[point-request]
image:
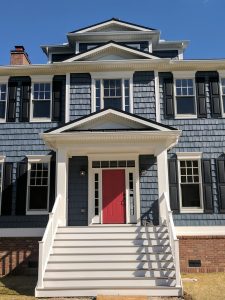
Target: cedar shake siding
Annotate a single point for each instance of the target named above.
(202, 134)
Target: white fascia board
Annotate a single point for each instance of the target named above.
(105, 113)
(113, 22)
(22, 232)
(184, 74)
(105, 47)
(200, 230)
(4, 79)
(2, 158)
(110, 75)
(39, 158)
(221, 73)
(189, 155)
(41, 78)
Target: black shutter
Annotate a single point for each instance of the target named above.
(12, 95)
(201, 97)
(21, 188)
(6, 207)
(173, 185)
(52, 183)
(207, 186)
(215, 97)
(25, 102)
(168, 97)
(58, 97)
(221, 183)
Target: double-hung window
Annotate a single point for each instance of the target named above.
(223, 93)
(185, 102)
(190, 184)
(41, 101)
(38, 185)
(112, 93)
(3, 97)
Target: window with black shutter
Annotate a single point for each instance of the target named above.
(221, 183)
(21, 188)
(6, 196)
(12, 97)
(173, 185)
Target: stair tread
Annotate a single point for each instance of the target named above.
(109, 269)
(108, 278)
(111, 261)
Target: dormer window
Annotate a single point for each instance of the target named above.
(112, 93)
(41, 101)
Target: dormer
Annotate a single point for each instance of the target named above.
(141, 38)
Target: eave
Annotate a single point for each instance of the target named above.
(162, 65)
(94, 140)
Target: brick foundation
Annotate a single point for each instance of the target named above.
(209, 249)
(18, 255)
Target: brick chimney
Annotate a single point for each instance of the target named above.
(19, 56)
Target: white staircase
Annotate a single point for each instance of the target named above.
(111, 260)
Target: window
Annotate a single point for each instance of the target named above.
(38, 186)
(41, 100)
(3, 101)
(190, 184)
(223, 93)
(112, 93)
(185, 97)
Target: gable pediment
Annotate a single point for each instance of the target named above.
(111, 120)
(111, 51)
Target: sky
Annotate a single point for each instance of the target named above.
(32, 23)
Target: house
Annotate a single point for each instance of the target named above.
(112, 157)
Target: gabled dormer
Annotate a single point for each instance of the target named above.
(136, 37)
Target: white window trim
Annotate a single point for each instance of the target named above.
(37, 159)
(3, 80)
(111, 75)
(40, 79)
(2, 160)
(184, 75)
(190, 156)
(222, 76)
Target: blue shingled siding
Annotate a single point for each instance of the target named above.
(149, 188)
(144, 95)
(17, 140)
(78, 192)
(199, 135)
(80, 95)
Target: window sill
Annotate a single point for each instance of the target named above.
(186, 117)
(37, 212)
(192, 211)
(40, 120)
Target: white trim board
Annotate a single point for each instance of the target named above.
(199, 230)
(22, 232)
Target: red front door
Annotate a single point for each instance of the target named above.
(113, 194)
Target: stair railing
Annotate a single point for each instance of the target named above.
(56, 217)
(167, 217)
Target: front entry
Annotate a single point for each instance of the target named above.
(113, 196)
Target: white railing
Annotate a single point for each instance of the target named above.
(56, 217)
(167, 216)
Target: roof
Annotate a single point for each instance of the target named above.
(108, 21)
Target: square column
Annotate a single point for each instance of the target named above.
(62, 180)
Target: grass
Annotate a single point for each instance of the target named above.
(209, 286)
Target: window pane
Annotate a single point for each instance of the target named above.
(113, 103)
(41, 109)
(178, 83)
(185, 105)
(190, 195)
(2, 109)
(37, 201)
(224, 104)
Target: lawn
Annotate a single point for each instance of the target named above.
(207, 287)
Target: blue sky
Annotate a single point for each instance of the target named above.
(34, 23)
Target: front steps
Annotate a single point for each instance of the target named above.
(110, 260)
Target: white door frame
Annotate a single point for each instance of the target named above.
(92, 219)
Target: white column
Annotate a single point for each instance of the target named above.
(67, 104)
(163, 181)
(62, 179)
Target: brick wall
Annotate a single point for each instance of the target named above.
(18, 255)
(209, 249)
